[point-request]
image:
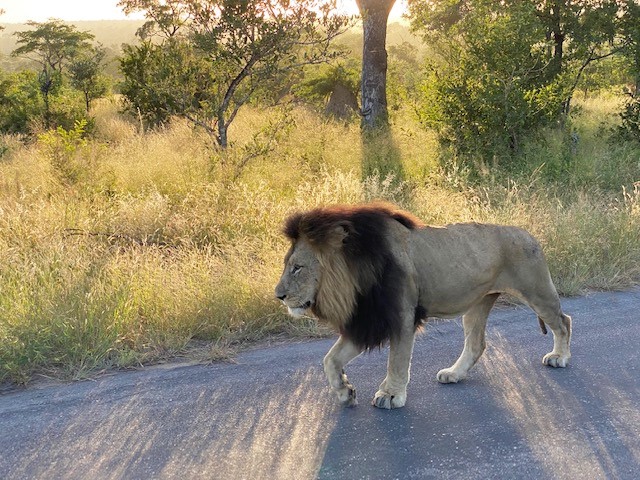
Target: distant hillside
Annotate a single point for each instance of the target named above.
(111, 33)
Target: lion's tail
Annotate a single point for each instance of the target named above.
(543, 327)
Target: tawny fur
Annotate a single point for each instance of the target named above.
(337, 289)
(375, 273)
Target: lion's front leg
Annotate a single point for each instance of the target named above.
(342, 352)
(393, 390)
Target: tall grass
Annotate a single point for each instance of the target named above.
(134, 247)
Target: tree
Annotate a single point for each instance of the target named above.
(214, 56)
(167, 79)
(85, 74)
(630, 30)
(375, 14)
(578, 32)
(507, 67)
(52, 45)
(574, 33)
(483, 91)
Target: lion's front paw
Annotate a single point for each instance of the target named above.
(388, 401)
(347, 395)
(555, 360)
(449, 375)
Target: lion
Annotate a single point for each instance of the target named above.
(377, 273)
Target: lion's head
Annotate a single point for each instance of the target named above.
(340, 268)
(298, 286)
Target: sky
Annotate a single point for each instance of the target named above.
(19, 11)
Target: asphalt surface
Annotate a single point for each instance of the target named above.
(272, 416)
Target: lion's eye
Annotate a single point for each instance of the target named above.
(295, 269)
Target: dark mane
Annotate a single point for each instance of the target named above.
(316, 224)
(361, 232)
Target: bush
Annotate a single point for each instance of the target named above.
(175, 258)
(22, 108)
(630, 116)
(20, 101)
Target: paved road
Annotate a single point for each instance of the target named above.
(272, 416)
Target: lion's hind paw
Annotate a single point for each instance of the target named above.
(555, 360)
(448, 375)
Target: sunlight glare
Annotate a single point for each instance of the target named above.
(20, 11)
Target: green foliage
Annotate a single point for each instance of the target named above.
(404, 74)
(53, 45)
(161, 81)
(505, 69)
(607, 74)
(321, 81)
(216, 56)
(630, 31)
(487, 91)
(67, 107)
(20, 101)
(65, 150)
(629, 127)
(23, 108)
(85, 74)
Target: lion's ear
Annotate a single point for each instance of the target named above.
(339, 234)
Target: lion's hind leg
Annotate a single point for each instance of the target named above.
(474, 323)
(547, 307)
(560, 325)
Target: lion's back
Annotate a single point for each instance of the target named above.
(459, 263)
(490, 242)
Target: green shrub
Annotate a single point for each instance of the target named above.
(173, 257)
(20, 101)
(630, 119)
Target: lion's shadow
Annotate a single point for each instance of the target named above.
(381, 155)
(512, 413)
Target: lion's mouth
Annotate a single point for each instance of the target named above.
(301, 310)
(303, 306)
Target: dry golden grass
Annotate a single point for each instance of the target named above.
(155, 245)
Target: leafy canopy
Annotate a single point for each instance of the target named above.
(209, 58)
(51, 44)
(502, 69)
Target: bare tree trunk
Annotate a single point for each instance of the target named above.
(636, 67)
(46, 83)
(222, 135)
(375, 14)
(555, 36)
